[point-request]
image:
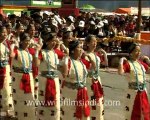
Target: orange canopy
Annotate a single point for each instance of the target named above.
(123, 10)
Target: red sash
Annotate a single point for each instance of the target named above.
(98, 90)
(82, 106)
(141, 106)
(25, 83)
(50, 92)
(2, 76)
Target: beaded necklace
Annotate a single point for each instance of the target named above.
(5, 62)
(50, 73)
(26, 70)
(48, 61)
(139, 87)
(79, 82)
(95, 73)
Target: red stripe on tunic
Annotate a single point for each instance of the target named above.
(59, 53)
(35, 70)
(25, 83)
(50, 92)
(82, 106)
(2, 76)
(98, 90)
(141, 107)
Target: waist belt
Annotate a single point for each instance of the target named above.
(93, 74)
(3, 63)
(74, 85)
(49, 74)
(22, 70)
(135, 86)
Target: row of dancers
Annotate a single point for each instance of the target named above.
(52, 70)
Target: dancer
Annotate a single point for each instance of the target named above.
(95, 89)
(6, 102)
(23, 83)
(49, 87)
(137, 104)
(74, 88)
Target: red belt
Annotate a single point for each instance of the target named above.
(141, 106)
(97, 89)
(25, 83)
(82, 106)
(50, 92)
(2, 76)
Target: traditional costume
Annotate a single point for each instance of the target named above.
(6, 102)
(95, 89)
(23, 86)
(137, 106)
(74, 92)
(49, 87)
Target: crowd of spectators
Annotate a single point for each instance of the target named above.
(79, 26)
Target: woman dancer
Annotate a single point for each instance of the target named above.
(94, 81)
(6, 102)
(137, 105)
(23, 83)
(49, 87)
(75, 75)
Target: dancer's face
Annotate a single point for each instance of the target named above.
(136, 52)
(3, 34)
(92, 44)
(78, 51)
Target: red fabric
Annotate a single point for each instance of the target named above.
(50, 92)
(82, 106)
(25, 83)
(86, 63)
(145, 65)
(101, 56)
(34, 68)
(59, 53)
(2, 76)
(40, 55)
(36, 40)
(98, 90)
(126, 66)
(31, 51)
(69, 65)
(16, 52)
(141, 105)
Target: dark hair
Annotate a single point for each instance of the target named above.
(73, 45)
(2, 28)
(23, 36)
(46, 36)
(12, 16)
(66, 35)
(29, 27)
(132, 47)
(8, 24)
(18, 25)
(89, 38)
